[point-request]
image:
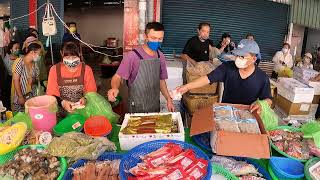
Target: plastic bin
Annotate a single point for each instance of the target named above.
(97, 126)
(42, 110)
(286, 168)
(73, 122)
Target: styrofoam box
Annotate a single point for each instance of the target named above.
(295, 86)
(314, 176)
(304, 73)
(129, 141)
(173, 83)
(305, 97)
(316, 87)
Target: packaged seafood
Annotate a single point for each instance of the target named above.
(170, 162)
(98, 170)
(223, 112)
(238, 168)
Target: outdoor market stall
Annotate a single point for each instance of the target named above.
(225, 141)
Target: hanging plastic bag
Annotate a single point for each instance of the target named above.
(49, 27)
(268, 116)
(98, 105)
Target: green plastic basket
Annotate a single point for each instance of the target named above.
(66, 125)
(217, 169)
(308, 165)
(7, 157)
(292, 129)
(273, 176)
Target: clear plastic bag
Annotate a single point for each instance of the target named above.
(98, 105)
(79, 146)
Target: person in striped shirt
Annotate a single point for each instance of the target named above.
(24, 76)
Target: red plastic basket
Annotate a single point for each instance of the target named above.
(97, 126)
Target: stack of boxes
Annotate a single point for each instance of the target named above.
(294, 98)
(298, 97)
(200, 97)
(304, 75)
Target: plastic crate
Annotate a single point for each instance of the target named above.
(132, 158)
(129, 141)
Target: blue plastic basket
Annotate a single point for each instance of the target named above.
(132, 158)
(105, 156)
(203, 140)
(260, 169)
(285, 168)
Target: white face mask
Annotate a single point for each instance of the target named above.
(228, 41)
(285, 50)
(241, 63)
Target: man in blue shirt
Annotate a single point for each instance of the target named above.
(244, 82)
(68, 36)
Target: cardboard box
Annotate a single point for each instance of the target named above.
(290, 108)
(285, 119)
(313, 109)
(298, 96)
(316, 99)
(230, 143)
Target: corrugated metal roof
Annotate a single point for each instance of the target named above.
(306, 13)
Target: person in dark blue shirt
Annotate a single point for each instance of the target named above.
(244, 82)
(68, 36)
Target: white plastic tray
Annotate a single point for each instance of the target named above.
(129, 141)
(314, 176)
